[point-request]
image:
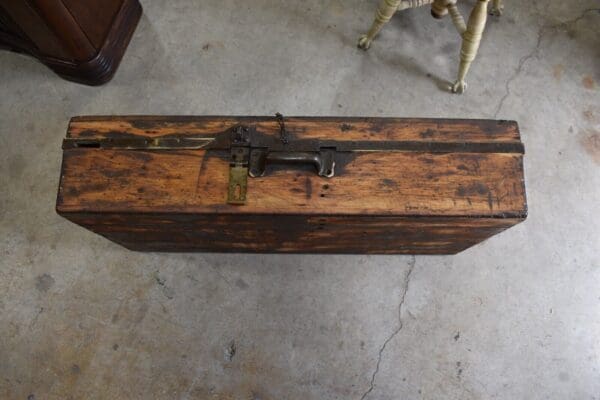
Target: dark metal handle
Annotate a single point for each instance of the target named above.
(323, 160)
(287, 157)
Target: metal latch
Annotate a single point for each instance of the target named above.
(250, 159)
(238, 165)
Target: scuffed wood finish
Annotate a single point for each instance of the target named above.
(370, 183)
(292, 234)
(334, 128)
(378, 202)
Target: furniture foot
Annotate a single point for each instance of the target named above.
(470, 44)
(364, 42)
(384, 13)
(459, 87)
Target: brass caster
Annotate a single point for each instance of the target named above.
(459, 87)
(364, 42)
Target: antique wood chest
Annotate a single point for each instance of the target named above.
(293, 185)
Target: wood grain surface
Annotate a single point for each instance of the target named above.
(292, 234)
(408, 201)
(333, 128)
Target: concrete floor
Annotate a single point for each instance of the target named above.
(517, 317)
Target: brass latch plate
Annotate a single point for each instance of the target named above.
(238, 184)
(238, 166)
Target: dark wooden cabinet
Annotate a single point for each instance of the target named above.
(82, 41)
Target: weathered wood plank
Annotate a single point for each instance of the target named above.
(333, 128)
(292, 234)
(377, 183)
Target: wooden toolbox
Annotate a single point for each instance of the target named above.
(297, 184)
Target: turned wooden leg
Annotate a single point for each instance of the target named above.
(470, 43)
(440, 8)
(384, 13)
(497, 8)
(457, 18)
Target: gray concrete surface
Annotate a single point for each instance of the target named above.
(517, 317)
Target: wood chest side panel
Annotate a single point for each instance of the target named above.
(292, 234)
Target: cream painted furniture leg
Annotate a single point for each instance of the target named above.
(471, 32)
(457, 18)
(384, 13)
(470, 45)
(497, 7)
(386, 10)
(440, 8)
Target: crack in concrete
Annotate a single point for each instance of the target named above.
(411, 266)
(541, 32)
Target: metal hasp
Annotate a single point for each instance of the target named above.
(250, 158)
